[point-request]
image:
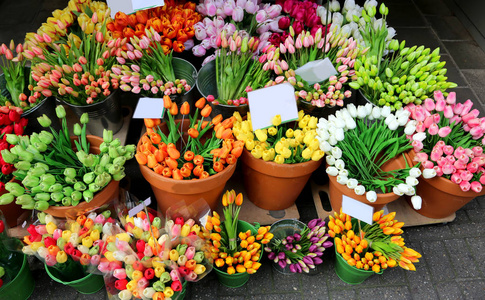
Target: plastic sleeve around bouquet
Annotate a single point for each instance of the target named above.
(185, 249)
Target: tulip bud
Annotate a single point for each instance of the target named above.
(44, 121)
(84, 118)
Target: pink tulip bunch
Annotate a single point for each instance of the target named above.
(297, 51)
(448, 137)
(249, 16)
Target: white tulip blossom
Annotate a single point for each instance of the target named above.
(340, 164)
(396, 191)
(429, 173)
(330, 160)
(349, 5)
(371, 196)
(334, 6)
(343, 172)
(337, 19)
(420, 136)
(336, 152)
(43, 252)
(393, 125)
(417, 201)
(352, 110)
(412, 181)
(332, 171)
(359, 190)
(415, 172)
(385, 111)
(352, 183)
(370, 3)
(342, 179)
(325, 146)
(361, 112)
(376, 112)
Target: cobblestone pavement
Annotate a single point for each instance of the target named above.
(450, 267)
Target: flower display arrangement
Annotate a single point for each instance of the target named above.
(300, 251)
(298, 50)
(376, 247)
(407, 75)
(146, 68)
(357, 149)
(156, 261)
(234, 251)
(11, 123)
(18, 80)
(448, 140)
(250, 17)
(71, 246)
(53, 174)
(281, 143)
(80, 74)
(174, 22)
(69, 24)
(169, 155)
(10, 260)
(237, 71)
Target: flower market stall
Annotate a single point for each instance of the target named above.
(184, 138)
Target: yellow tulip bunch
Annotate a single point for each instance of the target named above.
(281, 143)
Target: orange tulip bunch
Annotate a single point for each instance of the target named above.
(172, 157)
(174, 22)
(377, 247)
(232, 251)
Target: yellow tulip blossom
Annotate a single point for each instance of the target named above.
(159, 271)
(261, 135)
(301, 113)
(314, 145)
(313, 122)
(309, 137)
(95, 235)
(137, 275)
(246, 126)
(286, 153)
(238, 117)
(268, 155)
(272, 131)
(289, 133)
(249, 144)
(66, 234)
(168, 292)
(317, 155)
(257, 152)
(199, 269)
(299, 136)
(87, 242)
(276, 121)
(304, 121)
(279, 146)
(125, 237)
(307, 153)
(279, 159)
(50, 227)
(61, 257)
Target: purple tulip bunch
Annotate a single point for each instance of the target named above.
(300, 251)
(249, 16)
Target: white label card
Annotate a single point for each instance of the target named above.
(357, 209)
(130, 6)
(268, 102)
(316, 71)
(149, 108)
(139, 207)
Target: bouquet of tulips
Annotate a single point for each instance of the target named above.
(52, 173)
(80, 74)
(237, 71)
(358, 149)
(11, 123)
(233, 250)
(168, 154)
(69, 247)
(10, 260)
(298, 50)
(377, 247)
(448, 139)
(174, 22)
(408, 75)
(281, 143)
(69, 24)
(146, 68)
(249, 17)
(300, 251)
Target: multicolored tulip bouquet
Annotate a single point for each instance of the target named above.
(288, 143)
(54, 173)
(373, 247)
(448, 140)
(208, 149)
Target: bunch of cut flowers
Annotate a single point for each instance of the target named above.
(448, 140)
(57, 172)
(298, 50)
(357, 150)
(234, 250)
(376, 246)
(287, 143)
(146, 68)
(251, 18)
(237, 69)
(174, 22)
(208, 149)
(300, 251)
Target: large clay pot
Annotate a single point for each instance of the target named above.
(169, 191)
(274, 186)
(337, 190)
(441, 197)
(106, 195)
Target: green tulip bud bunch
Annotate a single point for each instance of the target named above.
(53, 172)
(407, 75)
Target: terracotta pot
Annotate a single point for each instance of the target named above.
(441, 197)
(169, 191)
(274, 186)
(337, 190)
(106, 195)
(12, 212)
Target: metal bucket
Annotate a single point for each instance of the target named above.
(207, 85)
(102, 115)
(183, 69)
(45, 107)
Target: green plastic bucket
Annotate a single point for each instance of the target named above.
(21, 287)
(348, 273)
(238, 279)
(89, 284)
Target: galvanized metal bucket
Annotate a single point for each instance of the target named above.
(45, 107)
(106, 114)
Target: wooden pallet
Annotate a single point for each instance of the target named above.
(404, 213)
